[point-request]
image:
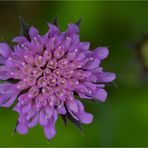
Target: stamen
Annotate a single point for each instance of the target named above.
(27, 69)
(12, 73)
(42, 82)
(71, 98)
(90, 92)
(31, 80)
(58, 53)
(21, 85)
(37, 105)
(22, 45)
(61, 82)
(91, 59)
(47, 73)
(35, 38)
(29, 59)
(57, 72)
(47, 55)
(74, 82)
(23, 64)
(59, 92)
(52, 100)
(46, 90)
(67, 73)
(52, 64)
(37, 72)
(68, 38)
(60, 103)
(76, 50)
(9, 58)
(33, 92)
(79, 74)
(40, 61)
(63, 63)
(52, 81)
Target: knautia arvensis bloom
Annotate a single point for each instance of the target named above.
(47, 73)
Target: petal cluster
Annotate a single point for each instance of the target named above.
(45, 73)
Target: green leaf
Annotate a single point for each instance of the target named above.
(55, 21)
(14, 131)
(24, 28)
(14, 81)
(77, 124)
(64, 119)
(78, 22)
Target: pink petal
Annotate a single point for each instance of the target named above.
(49, 131)
(9, 102)
(4, 49)
(22, 128)
(33, 32)
(100, 94)
(26, 108)
(53, 30)
(86, 118)
(34, 121)
(72, 105)
(42, 119)
(19, 39)
(106, 77)
(101, 52)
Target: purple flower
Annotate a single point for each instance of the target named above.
(46, 74)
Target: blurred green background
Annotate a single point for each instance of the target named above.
(123, 119)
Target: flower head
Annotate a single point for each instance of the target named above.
(45, 73)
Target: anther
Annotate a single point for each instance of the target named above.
(35, 38)
(76, 50)
(67, 38)
(91, 59)
(9, 58)
(22, 45)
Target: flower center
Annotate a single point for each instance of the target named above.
(48, 74)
